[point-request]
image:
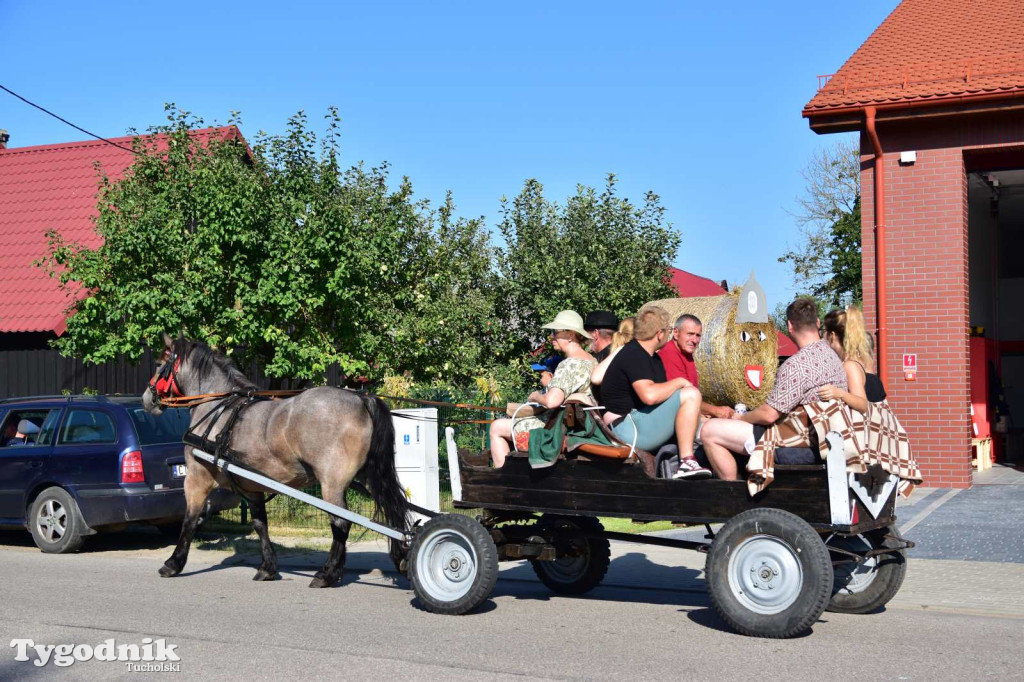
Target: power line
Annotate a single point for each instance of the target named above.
(64, 120)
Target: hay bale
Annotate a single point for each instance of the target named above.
(732, 357)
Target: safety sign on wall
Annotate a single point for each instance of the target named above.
(910, 366)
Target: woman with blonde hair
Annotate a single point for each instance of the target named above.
(845, 333)
(619, 339)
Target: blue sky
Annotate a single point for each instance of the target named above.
(699, 102)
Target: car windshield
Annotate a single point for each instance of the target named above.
(167, 428)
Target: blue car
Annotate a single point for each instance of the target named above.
(74, 465)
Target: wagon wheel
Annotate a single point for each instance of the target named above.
(769, 573)
(580, 563)
(869, 585)
(453, 564)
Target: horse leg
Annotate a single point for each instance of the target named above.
(268, 568)
(198, 484)
(331, 572)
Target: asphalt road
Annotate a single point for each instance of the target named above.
(651, 620)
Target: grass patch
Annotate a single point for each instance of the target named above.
(617, 525)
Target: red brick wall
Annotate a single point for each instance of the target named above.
(927, 280)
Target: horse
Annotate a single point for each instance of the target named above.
(328, 434)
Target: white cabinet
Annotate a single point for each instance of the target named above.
(416, 456)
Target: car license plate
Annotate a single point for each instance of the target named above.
(179, 470)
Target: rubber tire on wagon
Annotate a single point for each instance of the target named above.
(453, 564)
(769, 574)
(582, 562)
(869, 585)
(55, 522)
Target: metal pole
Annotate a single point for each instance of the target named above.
(301, 496)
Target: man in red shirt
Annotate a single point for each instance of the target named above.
(677, 356)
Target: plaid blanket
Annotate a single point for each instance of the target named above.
(872, 438)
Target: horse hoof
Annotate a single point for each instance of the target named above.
(168, 571)
(319, 581)
(263, 576)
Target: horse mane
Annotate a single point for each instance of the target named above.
(205, 361)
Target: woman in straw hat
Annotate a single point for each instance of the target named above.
(571, 376)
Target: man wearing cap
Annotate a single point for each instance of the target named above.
(645, 407)
(546, 368)
(601, 324)
(571, 376)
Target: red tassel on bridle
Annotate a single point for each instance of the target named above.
(165, 383)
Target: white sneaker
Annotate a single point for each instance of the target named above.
(690, 468)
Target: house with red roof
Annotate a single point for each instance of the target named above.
(42, 188)
(936, 94)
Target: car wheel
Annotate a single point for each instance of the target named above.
(769, 573)
(55, 522)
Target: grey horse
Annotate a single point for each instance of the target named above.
(328, 434)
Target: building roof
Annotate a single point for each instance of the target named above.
(688, 284)
(51, 187)
(940, 51)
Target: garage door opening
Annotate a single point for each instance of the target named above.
(996, 272)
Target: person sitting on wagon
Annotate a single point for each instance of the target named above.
(601, 325)
(844, 332)
(635, 386)
(677, 356)
(797, 383)
(571, 376)
(546, 369)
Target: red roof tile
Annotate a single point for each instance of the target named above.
(43, 188)
(932, 50)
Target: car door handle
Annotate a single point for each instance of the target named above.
(35, 464)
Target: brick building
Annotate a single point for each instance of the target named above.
(937, 95)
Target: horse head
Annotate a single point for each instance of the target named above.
(188, 368)
(171, 376)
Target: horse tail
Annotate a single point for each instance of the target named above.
(379, 471)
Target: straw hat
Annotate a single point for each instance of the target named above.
(568, 320)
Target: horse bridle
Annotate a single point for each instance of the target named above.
(165, 383)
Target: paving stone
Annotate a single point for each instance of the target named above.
(984, 523)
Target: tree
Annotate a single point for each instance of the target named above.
(279, 257)
(597, 251)
(828, 262)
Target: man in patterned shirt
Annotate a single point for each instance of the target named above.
(796, 384)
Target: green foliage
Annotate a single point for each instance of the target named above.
(598, 251)
(277, 255)
(828, 261)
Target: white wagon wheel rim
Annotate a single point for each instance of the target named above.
(52, 520)
(765, 575)
(855, 577)
(447, 565)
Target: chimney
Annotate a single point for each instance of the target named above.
(3, 138)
